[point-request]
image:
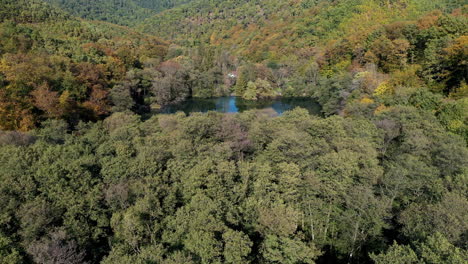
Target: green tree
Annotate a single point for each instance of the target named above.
(396, 254)
(245, 74)
(237, 247)
(250, 92)
(434, 249)
(285, 250)
(9, 254)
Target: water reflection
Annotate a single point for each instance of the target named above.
(232, 104)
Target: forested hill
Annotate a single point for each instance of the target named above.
(92, 172)
(53, 65)
(274, 24)
(123, 12)
(352, 56)
(30, 11)
(197, 20)
(349, 54)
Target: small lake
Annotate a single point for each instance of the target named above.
(232, 104)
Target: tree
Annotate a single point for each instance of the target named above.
(194, 227)
(434, 249)
(396, 254)
(455, 64)
(245, 74)
(437, 249)
(264, 88)
(172, 85)
(121, 98)
(56, 248)
(237, 246)
(47, 101)
(98, 102)
(448, 217)
(8, 252)
(36, 217)
(251, 92)
(290, 251)
(390, 54)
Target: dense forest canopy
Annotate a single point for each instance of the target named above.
(123, 12)
(91, 172)
(56, 66)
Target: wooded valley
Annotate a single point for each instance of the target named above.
(91, 171)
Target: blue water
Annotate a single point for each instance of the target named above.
(232, 104)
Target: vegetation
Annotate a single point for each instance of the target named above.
(90, 173)
(300, 41)
(54, 66)
(122, 12)
(212, 188)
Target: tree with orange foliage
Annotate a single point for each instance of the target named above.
(47, 100)
(456, 63)
(25, 69)
(15, 114)
(98, 102)
(90, 75)
(389, 54)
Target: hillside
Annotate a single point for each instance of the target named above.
(92, 170)
(303, 47)
(281, 48)
(26, 11)
(271, 29)
(53, 65)
(201, 18)
(123, 12)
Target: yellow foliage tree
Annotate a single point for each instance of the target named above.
(383, 89)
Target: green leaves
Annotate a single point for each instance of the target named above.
(285, 250)
(9, 254)
(396, 254)
(247, 188)
(237, 247)
(435, 249)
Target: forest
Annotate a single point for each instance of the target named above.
(122, 12)
(92, 172)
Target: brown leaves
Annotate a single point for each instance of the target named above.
(57, 248)
(98, 101)
(170, 67)
(47, 100)
(280, 219)
(14, 115)
(93, 76)
(429, 20)
(25, 69)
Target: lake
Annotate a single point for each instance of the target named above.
(233, 104)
